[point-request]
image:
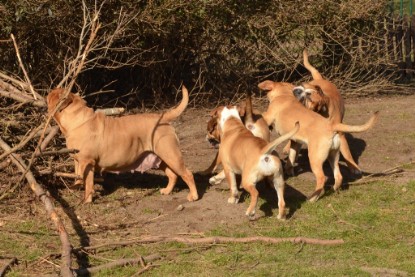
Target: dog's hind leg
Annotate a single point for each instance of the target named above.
(279, 185)
(317, 156)
(251, 189)
(334, 163)
(174, 161)
(171, 176)
(292, 156)
(230, 177)
(345, 151)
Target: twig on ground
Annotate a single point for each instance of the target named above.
(377, 271)
(8, 265)
(121, 262)
(213, 240)
(386, 172)
(111, 111)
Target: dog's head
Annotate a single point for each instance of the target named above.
(275, 89)
(55, 96)
(312, 97)
(218, 116)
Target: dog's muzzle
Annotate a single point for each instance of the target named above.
(213, 142)
(298, 92)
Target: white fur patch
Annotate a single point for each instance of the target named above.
(267, 165)
(228, 113)
(336, 142)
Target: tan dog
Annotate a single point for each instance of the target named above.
(320, 134)
(242, 153)
(323, 97)
(252, 120)
(134, 142)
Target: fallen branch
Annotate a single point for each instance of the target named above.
(43, 196)
(8, 265)
(377, 271)
(53, 132)
(22, 98)
(23, 68)
(386, 172)
(22, 143)
(111, 111)
(122, 262)
(214, 240)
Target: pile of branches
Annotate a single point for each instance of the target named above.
(217, 47)
(114, 50)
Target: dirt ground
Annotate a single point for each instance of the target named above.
(129, 205)
(133, 199)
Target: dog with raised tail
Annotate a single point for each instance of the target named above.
(253, 121)
(128, 143)
(321, 135)
(323, 97)
(240, 152)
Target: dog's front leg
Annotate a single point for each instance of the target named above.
(216, 161)
(86, 169)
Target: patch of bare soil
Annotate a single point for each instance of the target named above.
(129, 205)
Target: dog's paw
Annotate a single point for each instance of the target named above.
(215, 180)
(233, 200)
(192, 197)
(282, 216)
(250, 214)
(165, 191)
(316, 195)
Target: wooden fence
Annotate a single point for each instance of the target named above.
(400, 42)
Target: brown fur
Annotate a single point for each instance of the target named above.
(117, 144)
(252, 120)
(325, 98)
(318, 133)
(254, 158)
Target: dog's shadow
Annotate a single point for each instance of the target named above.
(357, 147)
(293, 198)
(112, 182)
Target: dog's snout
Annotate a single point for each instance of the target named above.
(298, 91)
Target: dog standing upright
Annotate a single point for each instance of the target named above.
(321, 135)
(133, 142)
(242, 153)
(322, 96)
(252, 120)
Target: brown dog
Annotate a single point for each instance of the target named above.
(320, 134)
(134, 142)
(243, 153)
(252, 120)
(323, 97)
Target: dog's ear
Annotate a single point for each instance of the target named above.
(242, 109)
(266, 85)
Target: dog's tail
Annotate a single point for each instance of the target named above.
(248, 109)
(340, 127)
(314, 72)
(177, 111)
(273, 144)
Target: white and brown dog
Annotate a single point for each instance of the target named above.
(252, 120)
(323, 97)
(128, 143)
(254, 158)
(321, 135)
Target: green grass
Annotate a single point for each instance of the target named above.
(376, 222)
